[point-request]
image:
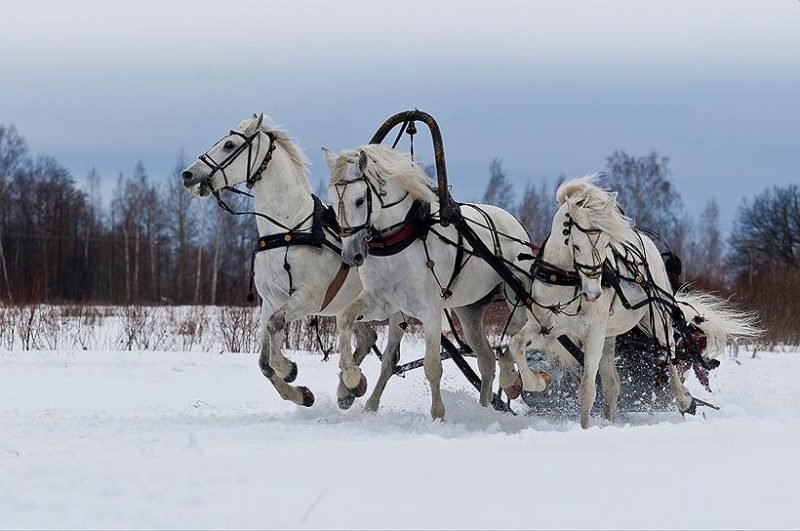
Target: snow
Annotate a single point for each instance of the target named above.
(165, 439)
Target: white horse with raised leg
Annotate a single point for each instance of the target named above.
(383, 202)
(590, 234)
(297, 267)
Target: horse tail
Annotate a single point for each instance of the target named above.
(718, 319)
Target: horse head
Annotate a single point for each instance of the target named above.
(240, 156)
(365, 184)
(590, 222)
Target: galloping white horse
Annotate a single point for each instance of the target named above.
(294, 281)
(382, 196)
(589, 231)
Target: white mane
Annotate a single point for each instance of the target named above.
(385, 164)
(282, 138)
(594, 207)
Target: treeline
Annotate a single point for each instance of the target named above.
(153, 242)
(757, 264)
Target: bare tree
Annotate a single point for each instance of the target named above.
(499, 191)
(767, 229)
(13, 151)
(536, 211)
(706, 257)
(646, 192)
(180, 209)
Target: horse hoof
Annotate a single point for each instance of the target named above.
(361, 388)
(308, 396)
(292, 376)
(346, 401)
(513, 391)
(545, 376)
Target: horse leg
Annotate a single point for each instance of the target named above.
(587, 391)
(609, 378)
(432, 324)
(391, 356)
(682, 396)
(299, 304)
(365, 338)
(301, 396)
(510, 379)
(471, 318)
(528, 337)
(352, 382)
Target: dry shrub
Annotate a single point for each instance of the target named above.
(9, 319)
(31, 327)
(238, 328)
(142, 327)
(190, 329)
(80, 323)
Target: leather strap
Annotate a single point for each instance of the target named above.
(336, 285)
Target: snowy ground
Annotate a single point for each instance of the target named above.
(112, 439)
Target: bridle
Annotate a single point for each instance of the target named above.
(595, 270)
(349, 230)
(252, 176)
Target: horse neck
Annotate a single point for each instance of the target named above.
(283, 194)
(555, 251)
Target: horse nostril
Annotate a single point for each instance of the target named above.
(358, 258)
(187, 175)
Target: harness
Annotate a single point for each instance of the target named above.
(323, 226)
(415, 226)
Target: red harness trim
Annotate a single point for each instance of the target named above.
(535, 248)
(406, 233)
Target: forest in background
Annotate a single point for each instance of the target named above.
(154, 243)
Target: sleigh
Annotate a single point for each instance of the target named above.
(641, 360)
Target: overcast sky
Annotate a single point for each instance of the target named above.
(550, 87)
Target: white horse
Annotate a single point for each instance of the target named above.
(589, 231)
(294, 281)
(377, 191)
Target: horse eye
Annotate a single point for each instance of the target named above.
(228, 145)
(359, 201)
(576, 247)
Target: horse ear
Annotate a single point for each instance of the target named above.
(611, 202)
(362, 162)
(572, 204)
(259, 119)
(329, 158)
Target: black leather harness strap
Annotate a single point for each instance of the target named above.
(323, 229)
